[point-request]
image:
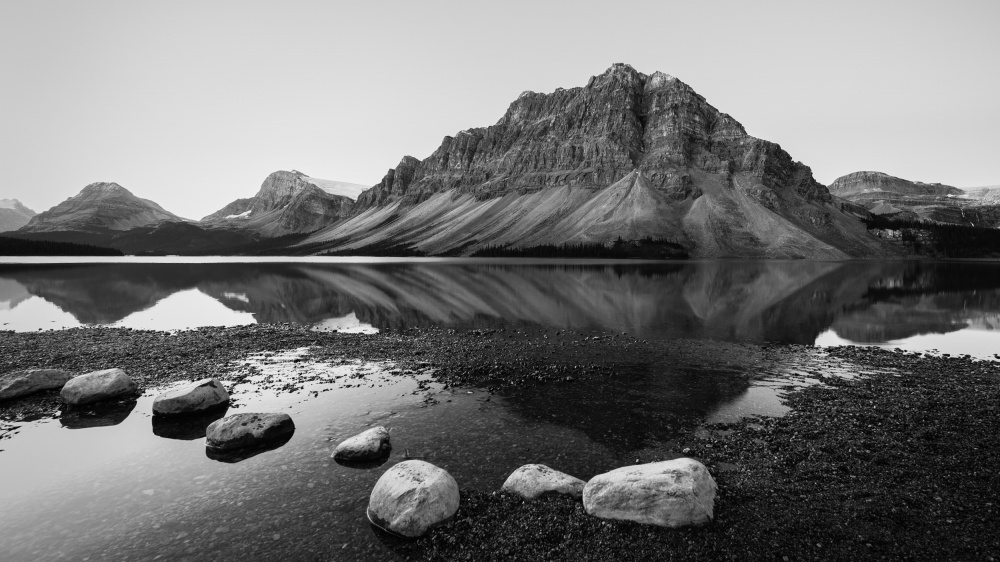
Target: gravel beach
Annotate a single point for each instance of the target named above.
(896, 462)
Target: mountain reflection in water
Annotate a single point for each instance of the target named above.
(782, 301)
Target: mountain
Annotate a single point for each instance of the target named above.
(628, 155)
(99, 207)
(882, 194)
(287, 203)
(13, 215)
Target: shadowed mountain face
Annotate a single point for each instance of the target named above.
(882, 194)
(628, 155)
(732, 301)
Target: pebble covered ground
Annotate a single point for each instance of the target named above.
(897, 463)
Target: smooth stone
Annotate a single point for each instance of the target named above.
(671, 493)
(412, 497)
(30, 381)
(368, 445)
(96, 386)
(533, 480)
(240, 431)
(195, 397)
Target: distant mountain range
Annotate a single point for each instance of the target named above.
(628, 159)
(886, 195)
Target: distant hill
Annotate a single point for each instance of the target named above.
(13, 215)
(100, 206)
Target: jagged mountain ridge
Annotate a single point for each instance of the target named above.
(287, 203)
(98, 207)
(13, 215)
(627, 155)
(883, 194)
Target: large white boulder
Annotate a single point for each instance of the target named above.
(369, 445)
(195, 397)
(29, 381)
(96, 386)
(533, 480)
(241, 431)
(412, 497)
(671, 493)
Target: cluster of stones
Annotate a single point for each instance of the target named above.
(236, 432)
(414, 495)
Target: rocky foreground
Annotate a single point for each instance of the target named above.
(899, 463)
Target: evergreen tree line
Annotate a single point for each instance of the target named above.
(942, 240)
(19, 247)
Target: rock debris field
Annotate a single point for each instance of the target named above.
(895, 461)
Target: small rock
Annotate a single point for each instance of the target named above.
(412, 497)
(533, 480)
(671, 493)
(195, 397)
(246, 430)
(369, 445)
(29, 381)
(96, 386)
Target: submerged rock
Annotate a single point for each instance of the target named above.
(412, 497)
(533, 480)
(195, 397)
(96, 386)
(30, 381)
(248, 430)
(671, 493)
(367, 446)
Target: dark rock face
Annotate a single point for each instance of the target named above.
(593, 136)
(287, 203)
(882, 194)
(100, 207)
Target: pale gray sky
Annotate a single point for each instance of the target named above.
(193, 103)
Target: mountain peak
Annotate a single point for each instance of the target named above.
(104, 188)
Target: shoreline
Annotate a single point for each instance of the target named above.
(896, 463)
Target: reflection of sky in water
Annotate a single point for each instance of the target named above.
(184, 310)
(35, 313)
(982, 344)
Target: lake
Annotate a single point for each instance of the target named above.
(119, 484)
(951, 307)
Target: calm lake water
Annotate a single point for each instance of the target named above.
(118, 484)
(951, 307)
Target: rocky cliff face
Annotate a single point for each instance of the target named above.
(550, 171)
(592, 137)
(287, 203)
(882, 194)
(13, 215)
(99, 207)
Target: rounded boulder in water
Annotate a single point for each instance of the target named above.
(97, 386)
(534, 480)
(241, 431)
(29, 381)
(370, 445)
(412, 497)
(195, 397)
(673, 493)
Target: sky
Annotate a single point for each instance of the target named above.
(193, 103)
